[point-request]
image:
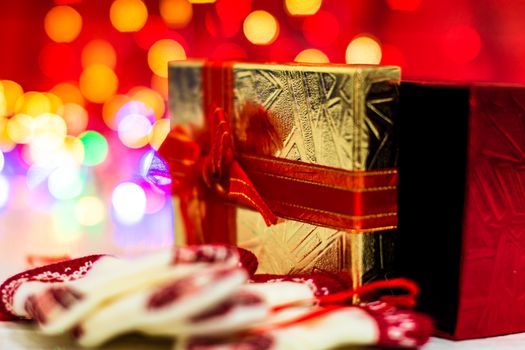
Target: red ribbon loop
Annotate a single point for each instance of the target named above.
(218, 170)
(339, 300)
(408, 299)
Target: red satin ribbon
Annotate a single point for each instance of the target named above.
(357, 201)
(339, 300)
(209, 174)
(200, 178)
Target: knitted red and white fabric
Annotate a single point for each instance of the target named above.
(208, 298)
(63, 271)
(372, 324)
(58, 295)
(320, 283)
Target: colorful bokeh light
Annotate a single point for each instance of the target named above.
(99, 51)
(176, 13)
(75, 117)
(151, 99)
(3, 108)
(20, 128)
(134, 107)
(73, 151)
(111, 108)
(55, 103)
(33, 103)
(49, 131)
(11, 92)
(129, 203)
(63, 24)
(6, 144)
(98, 83)
(134, 130)
(128, 15)
(363, 50)
(68, 93)
(261, 28)
(36, 174)
(95, 147)
(302, 7)
(312, 56)
(161, 128)
(160, 84)
(66, 182)
(162, 52)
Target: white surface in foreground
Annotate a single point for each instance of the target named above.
(508, 342)
(25, 337)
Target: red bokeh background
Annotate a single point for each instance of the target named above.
(465, 40)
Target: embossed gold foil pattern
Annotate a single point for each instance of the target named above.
(337, 116)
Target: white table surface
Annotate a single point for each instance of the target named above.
(20, 336)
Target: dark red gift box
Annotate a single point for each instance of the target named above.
(462, 205)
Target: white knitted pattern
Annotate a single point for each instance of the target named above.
(8, 292)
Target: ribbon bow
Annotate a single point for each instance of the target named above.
(197, 174)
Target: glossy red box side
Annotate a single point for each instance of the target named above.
(462, 205)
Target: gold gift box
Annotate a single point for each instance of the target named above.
(341, 116)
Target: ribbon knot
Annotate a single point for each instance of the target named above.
(218, 163)
(194, 171)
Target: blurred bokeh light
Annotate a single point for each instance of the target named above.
(129, 203)
(98, 83)
(63, 24)
(311, 56)
(176, 13)
(68, 92)
(95, 147)
(128, 15)
(363, 50)
(163, 51)
(99, 52)
(302, 7)
(261, 28)
(11, 92)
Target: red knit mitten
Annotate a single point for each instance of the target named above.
(329, 328)
(63, 271)
(321, 283)
(57, 296)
